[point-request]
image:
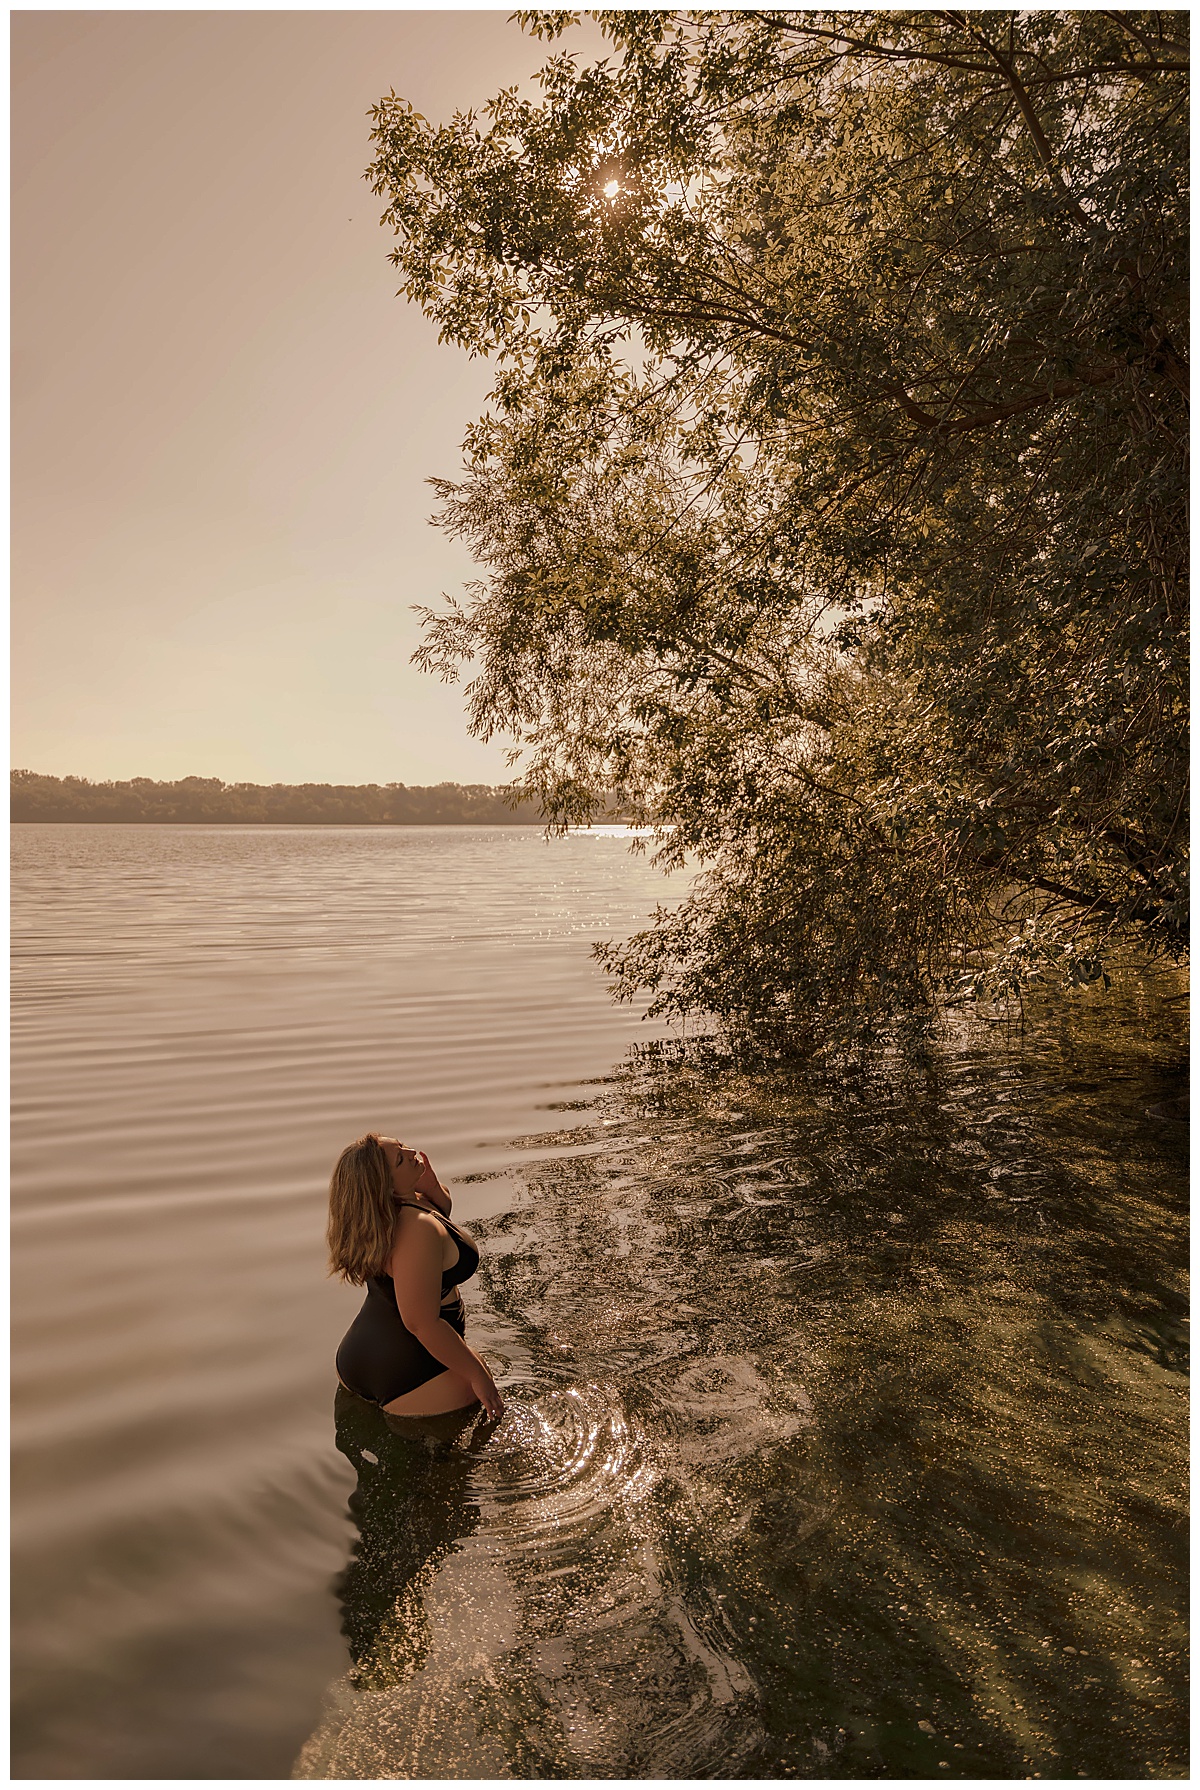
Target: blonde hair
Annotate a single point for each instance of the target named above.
(362, 1211)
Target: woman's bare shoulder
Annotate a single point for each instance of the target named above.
(416, 1221)
(413, 1225)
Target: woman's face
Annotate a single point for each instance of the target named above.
(404, 1163)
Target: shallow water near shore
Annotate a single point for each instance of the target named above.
(845, 1424)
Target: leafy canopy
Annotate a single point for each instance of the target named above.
(830, 496)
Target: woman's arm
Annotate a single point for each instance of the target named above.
(431, 1188)
(415, 1266)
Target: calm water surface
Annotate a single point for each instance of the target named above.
(845, 1422)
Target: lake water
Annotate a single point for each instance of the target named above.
(845, 1430)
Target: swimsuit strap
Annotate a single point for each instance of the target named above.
(442, 1217)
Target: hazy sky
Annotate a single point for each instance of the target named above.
(222, 414)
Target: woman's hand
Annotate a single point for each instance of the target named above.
(427, 1181)
(486, 1391)
(428, 1187)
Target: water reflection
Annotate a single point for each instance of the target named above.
(845, 1435)
(411, 1510)
(417, 1629)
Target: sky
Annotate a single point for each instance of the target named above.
(222, 414)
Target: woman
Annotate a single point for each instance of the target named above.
(390, 1231)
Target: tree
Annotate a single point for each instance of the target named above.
(830, 497)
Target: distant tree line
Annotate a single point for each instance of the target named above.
(199, 799)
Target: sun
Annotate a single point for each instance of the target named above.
(612, 189)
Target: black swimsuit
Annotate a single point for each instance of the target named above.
(379, 1358)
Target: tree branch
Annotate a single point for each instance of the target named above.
(1040, 141)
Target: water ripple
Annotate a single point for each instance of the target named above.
(537, 1630)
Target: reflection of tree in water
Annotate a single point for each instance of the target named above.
(963, 1274)
(411, 1509)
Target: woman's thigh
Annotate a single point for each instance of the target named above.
(447, 1391)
